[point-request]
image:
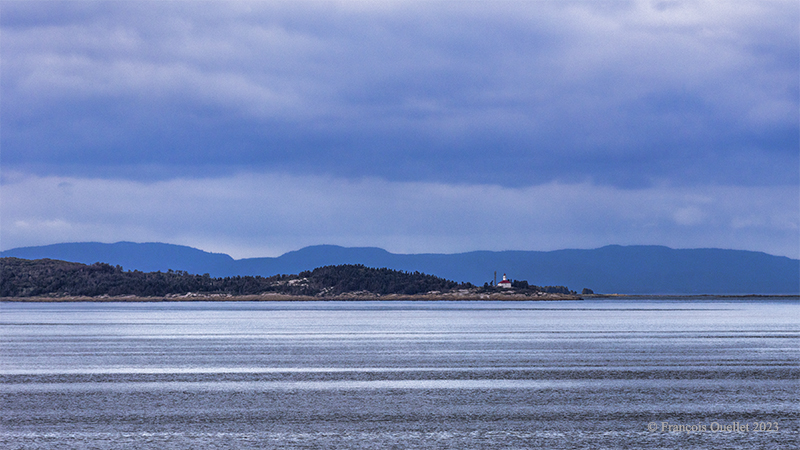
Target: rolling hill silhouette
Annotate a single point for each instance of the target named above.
(610, 269)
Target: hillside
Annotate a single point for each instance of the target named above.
(611, 269)
(146, 257)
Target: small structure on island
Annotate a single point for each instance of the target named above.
(504, 283)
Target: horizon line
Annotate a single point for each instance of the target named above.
(387, 251)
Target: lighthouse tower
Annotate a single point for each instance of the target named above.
(504, 283)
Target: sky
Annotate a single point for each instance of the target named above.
(257, 128)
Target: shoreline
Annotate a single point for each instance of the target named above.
(357, 297)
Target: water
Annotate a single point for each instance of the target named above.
(584, 374)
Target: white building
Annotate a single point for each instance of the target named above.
(504, 283)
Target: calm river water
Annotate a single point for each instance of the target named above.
(597, 374)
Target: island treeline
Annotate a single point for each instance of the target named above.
(55, 278)
(46, 277)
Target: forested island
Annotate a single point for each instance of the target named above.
(48, 279)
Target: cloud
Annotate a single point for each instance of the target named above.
(255, 128)
(626, 94)
(251, 214)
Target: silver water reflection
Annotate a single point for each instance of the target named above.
(588, 374)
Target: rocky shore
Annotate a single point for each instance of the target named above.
(458, 295)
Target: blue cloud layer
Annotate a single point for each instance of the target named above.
(506, 93)
(269, 214)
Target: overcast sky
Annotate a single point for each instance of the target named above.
(434, 126)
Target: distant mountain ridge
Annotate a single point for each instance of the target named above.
(147, 257)
(610, 269)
